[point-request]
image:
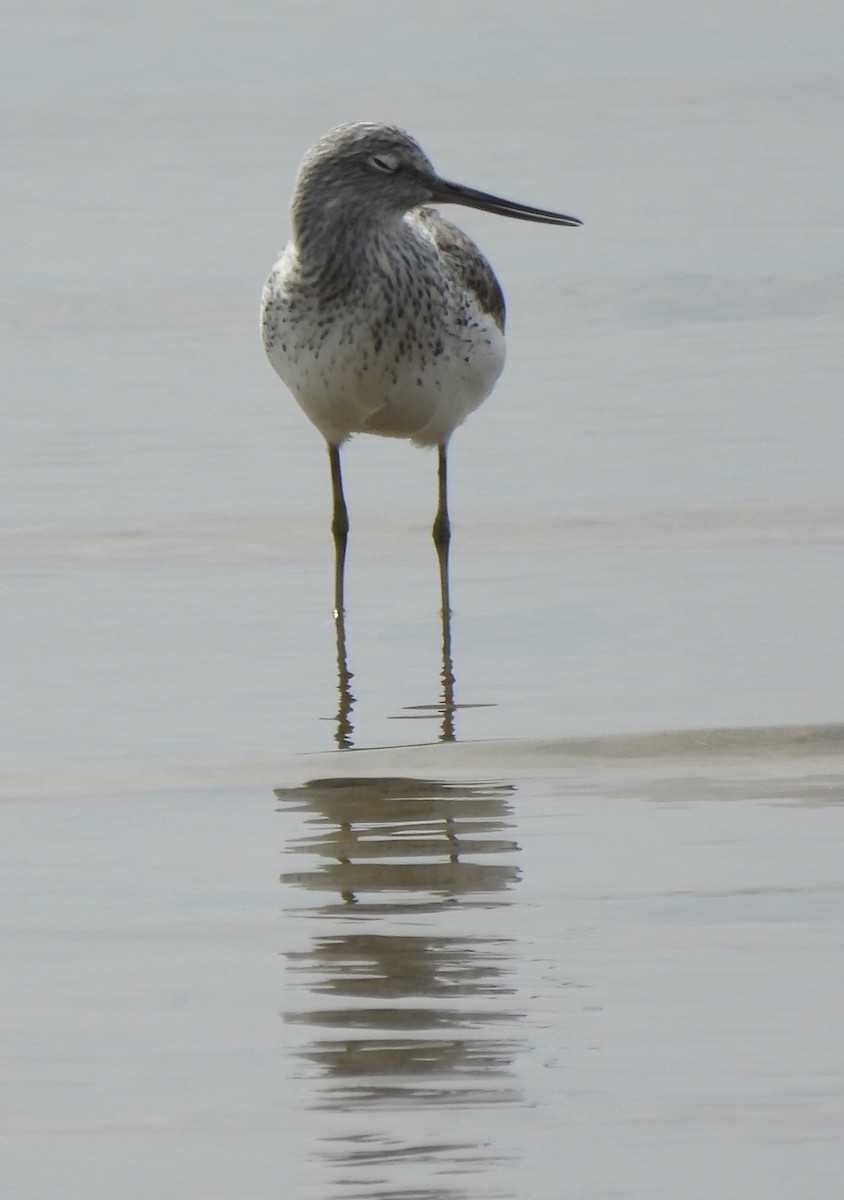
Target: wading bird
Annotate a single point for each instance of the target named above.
(381, 316)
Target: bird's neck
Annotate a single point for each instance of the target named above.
(341, 246)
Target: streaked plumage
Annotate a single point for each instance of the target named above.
(381, 316)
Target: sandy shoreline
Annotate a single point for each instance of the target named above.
(774, 753)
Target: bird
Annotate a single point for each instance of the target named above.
(381, 316)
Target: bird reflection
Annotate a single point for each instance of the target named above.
(445, 708)
(398, 835)
(412, 1012)
(400, 990)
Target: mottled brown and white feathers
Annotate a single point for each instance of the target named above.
(380, 316)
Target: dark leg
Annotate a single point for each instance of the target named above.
(442, 538)
(340, 518)
(340, 529)
(442, 525)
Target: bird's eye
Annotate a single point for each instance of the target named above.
(388, 164)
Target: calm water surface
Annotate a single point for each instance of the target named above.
(607, 966)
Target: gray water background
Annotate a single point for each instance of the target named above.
(530, 966)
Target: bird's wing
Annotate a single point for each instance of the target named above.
(467, 264)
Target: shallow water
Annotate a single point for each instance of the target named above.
(487, 969)
(579, 950)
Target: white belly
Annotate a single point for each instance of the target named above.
(355, 371)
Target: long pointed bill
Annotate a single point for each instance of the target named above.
(455, 193)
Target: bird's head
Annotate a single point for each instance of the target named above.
(372, 173)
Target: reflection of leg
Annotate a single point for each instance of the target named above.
(344, 727)
(442, 526)
(447, 704)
